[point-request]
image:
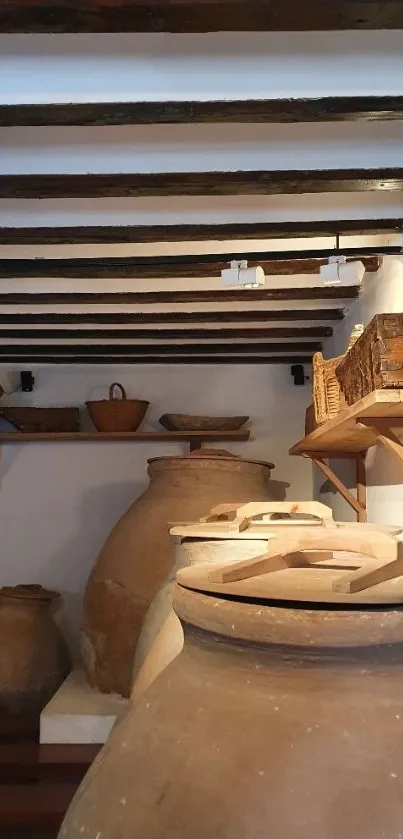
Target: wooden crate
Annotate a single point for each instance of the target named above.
(375, 361)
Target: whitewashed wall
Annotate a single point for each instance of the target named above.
(381, 293)
(99, 68)
(59, 501)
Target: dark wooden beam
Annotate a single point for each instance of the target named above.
(150, 297)
(322, 109)
(128, 318)
(150, 267)
(197, 15)
(195, 232)
(159, 349)
(261, 182)
(168, 334)
(150, 359)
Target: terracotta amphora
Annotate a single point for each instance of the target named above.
(226, 534)
(283, 714)
(34, 660)
(138, 556)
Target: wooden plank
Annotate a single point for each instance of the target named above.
(55, 762)
(161, 359)
(159, 268)
(344, 433)
(121, 436)
(107, 234)
(261, 182)
(16, 728)
(197, 15)
(320, 109)
(168, 334)
(202, 296)
(36, 805)
(166, 267)
(160, 349)
(127, 318)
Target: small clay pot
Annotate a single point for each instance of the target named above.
(34, 660)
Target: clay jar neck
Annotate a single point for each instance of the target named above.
(199, 472)
(27, 598)
(298, 635)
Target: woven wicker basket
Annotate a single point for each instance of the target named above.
(117, 414)
(327, 396)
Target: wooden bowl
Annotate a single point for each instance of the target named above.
(187, 422)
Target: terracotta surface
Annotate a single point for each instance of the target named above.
(33, 657)
(272, 722)
(137, 556)
(161, 638)
(226, 536)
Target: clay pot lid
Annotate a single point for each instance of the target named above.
(28, 592)
(211, 454)
(342, 563)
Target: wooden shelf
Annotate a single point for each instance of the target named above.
(370, 422)
(344, 434)
(133, 436)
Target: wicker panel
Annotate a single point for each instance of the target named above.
(327, 395)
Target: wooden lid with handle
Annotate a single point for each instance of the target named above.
(255, 519)
(366, 566)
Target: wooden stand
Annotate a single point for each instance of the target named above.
(370, 422)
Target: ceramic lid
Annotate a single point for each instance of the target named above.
(334, 563)
(211, 454)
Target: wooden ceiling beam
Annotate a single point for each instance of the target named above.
(321, 109)
(203, 296)
(206, 265)
(108, 234)
(127, 318)
(261, 182)
(160, 359)
(168, 334)
(159, 349)
(197, 15)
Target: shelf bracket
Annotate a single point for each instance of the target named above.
(382, 428)
(359, 504)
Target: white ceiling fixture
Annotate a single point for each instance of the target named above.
(240, 275)
(340, 272)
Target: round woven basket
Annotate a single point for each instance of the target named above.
(115, 414)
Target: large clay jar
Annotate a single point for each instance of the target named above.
(227, 535)
(33, 656)
(282, 717)
(137, 555)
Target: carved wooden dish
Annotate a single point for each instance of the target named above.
(188, 422)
